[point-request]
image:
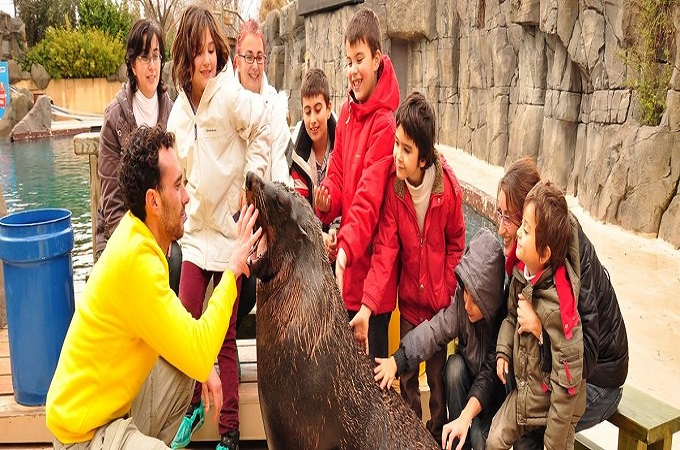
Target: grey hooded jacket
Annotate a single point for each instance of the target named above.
(481, 271)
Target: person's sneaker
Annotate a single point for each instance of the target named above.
(191, 422)
(229, 441)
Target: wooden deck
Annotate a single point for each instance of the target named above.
(23, 427)
(26, 425)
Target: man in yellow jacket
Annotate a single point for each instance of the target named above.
(111, 390)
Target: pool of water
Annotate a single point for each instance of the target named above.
(46, 173)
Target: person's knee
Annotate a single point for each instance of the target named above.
(455, 371)
(493, 440)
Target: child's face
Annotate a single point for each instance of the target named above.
(473, 311)
(205, 65)
(250, 75)
(406, 158)
(362, 69)
(315, 114)
(526, 241)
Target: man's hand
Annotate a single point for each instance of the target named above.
(360, 324)
(245, 240)
(212, 388)
(502, 369)
(322, 198)
(456, 429)
(340, 266)
(385, 372)
(527, 318)
(330, 242)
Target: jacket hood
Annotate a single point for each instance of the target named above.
(481, 272)
(384, 96)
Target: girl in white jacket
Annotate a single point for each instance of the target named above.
(221, 133)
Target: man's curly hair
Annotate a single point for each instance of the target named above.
(139, 169)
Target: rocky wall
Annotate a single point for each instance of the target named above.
(12, 37)
(510, 78)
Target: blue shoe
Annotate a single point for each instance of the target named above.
(192, 421)
(229, 441)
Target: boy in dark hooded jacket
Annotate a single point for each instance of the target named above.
(474, 317)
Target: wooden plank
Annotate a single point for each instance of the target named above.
(5, 365)
(644, 418)
(583, 443)
(6, 387)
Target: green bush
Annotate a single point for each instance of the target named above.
(88, 53)
(648, 57)
(105, 15)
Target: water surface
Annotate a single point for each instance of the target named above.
(45, 173)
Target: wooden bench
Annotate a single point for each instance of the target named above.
(644, 422)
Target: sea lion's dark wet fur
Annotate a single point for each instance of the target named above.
(316, 388)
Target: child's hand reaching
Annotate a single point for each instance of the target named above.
(502, 369)
(385, 372)
(360, 324)
(322, 198)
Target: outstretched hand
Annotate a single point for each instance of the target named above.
(212, 389)
(360, 325)
(455, 430)
(385, 372)
(245, 241)
(322, 199)
(340, 266)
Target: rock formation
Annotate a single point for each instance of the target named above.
(511, 78)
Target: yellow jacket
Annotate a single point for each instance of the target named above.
(127, 317)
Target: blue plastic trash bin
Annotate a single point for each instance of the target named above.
(35, 249)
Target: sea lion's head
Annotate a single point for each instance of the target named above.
(288, 224)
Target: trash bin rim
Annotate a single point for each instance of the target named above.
(65, 214)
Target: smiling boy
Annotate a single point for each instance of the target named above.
(422, 231)
(357, 172)
(550, 390)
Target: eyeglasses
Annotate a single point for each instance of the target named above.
(506, 218)
(146, 59)
(250, 58)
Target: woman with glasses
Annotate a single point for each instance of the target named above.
(605, 340)
(143, 100)
(250, 63)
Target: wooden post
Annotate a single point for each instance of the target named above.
(3, 310)
(87, 144)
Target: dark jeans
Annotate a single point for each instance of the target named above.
(458, 381)
(600, 405)
(378, 332)
(410, 389)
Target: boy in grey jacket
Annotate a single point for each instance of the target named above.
(474, 317)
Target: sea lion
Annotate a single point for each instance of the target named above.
(316, 388)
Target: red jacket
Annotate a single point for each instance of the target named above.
(427, 281)
(357, 172)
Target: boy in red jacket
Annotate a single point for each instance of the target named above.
(359, 166)
(422, 227)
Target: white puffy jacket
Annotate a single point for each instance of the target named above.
(226, 137)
